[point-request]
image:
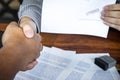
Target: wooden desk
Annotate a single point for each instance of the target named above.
(83, 43)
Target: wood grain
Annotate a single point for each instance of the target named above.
(83, 43)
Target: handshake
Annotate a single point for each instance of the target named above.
(21, 46)
(28, 26)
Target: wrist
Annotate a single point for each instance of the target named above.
(23, 19)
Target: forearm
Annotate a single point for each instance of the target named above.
(31, 9)
(9, 66)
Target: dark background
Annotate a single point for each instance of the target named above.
(9, 10)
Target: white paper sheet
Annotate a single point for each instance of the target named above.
(58, 64)
(74, 17)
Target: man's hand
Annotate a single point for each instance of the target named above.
(29, 27)
(111, 16)
(25, 50)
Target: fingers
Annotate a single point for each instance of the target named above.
(111, 11)
(30, 65)
(112, 20)
(111, 16)
(40, 47)
(112, 7)
(113, 25)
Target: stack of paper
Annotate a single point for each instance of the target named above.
(58, 64)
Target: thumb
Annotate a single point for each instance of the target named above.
(29, 29)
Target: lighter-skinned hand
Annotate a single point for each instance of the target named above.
(111, 16)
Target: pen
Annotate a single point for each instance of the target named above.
(92, 11)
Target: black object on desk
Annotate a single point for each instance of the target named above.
(1, 33)
(105, 62)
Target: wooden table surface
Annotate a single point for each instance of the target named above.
(83, 43)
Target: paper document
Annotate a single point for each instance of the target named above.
(58, 64)
(74, 17)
